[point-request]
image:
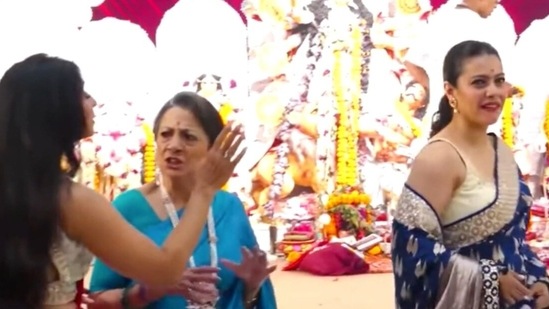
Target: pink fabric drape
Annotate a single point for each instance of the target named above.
(146, 13)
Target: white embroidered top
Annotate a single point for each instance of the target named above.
(72, 262)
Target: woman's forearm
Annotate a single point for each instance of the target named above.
(134, 297)
(110, 299)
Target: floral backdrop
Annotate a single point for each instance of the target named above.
(320, 85)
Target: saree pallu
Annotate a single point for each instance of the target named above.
(458, 265)
(233, 231)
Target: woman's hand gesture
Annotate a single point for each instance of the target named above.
(217, 167)
(254, 268)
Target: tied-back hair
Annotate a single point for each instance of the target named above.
(203, 110)
(41, 119)
(452, 70)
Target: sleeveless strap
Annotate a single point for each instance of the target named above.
(462, 157)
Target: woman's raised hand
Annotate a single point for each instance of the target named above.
(218, 165)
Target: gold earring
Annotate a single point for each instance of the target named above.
(453, 104)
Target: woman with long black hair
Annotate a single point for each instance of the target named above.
(48, 223)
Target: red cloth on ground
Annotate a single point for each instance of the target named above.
(330, 259)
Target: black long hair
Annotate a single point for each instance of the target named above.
(41, 119)
(205, 113)
(452, 69)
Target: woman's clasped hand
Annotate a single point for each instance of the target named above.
(197, 284)
(513, 290)
(541, 292)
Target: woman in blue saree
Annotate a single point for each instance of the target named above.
(226, 256)
(459, 227)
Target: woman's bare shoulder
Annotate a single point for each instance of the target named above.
(76, 200)
(437, 156)
(436, 172)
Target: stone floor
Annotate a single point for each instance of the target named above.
(300, 290)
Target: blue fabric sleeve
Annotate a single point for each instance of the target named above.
(266, 296)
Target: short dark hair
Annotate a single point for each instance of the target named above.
(205, 113)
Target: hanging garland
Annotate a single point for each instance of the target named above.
(508, 119)
(281, 165)
(546, 120)
(275, 190)
(97, 179)
(149, 162)
(348, 205)
(508, 134)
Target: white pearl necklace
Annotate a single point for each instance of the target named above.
(212, 238)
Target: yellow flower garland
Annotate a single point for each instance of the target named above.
(347, 133)
(507, 130)
(97, 179)
(353, 198)
(546, 121)
(149, 162)
(508, 123)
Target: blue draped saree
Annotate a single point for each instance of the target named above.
(233, 231)
(458, 265)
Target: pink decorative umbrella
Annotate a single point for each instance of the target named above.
(145, 13)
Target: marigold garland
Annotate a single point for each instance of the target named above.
(507, 130)
(507, 118)
(97, 178)
(344, 202)
(546, 121)
(149, 162)
(348, 111)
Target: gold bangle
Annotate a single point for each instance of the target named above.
(251, 302)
